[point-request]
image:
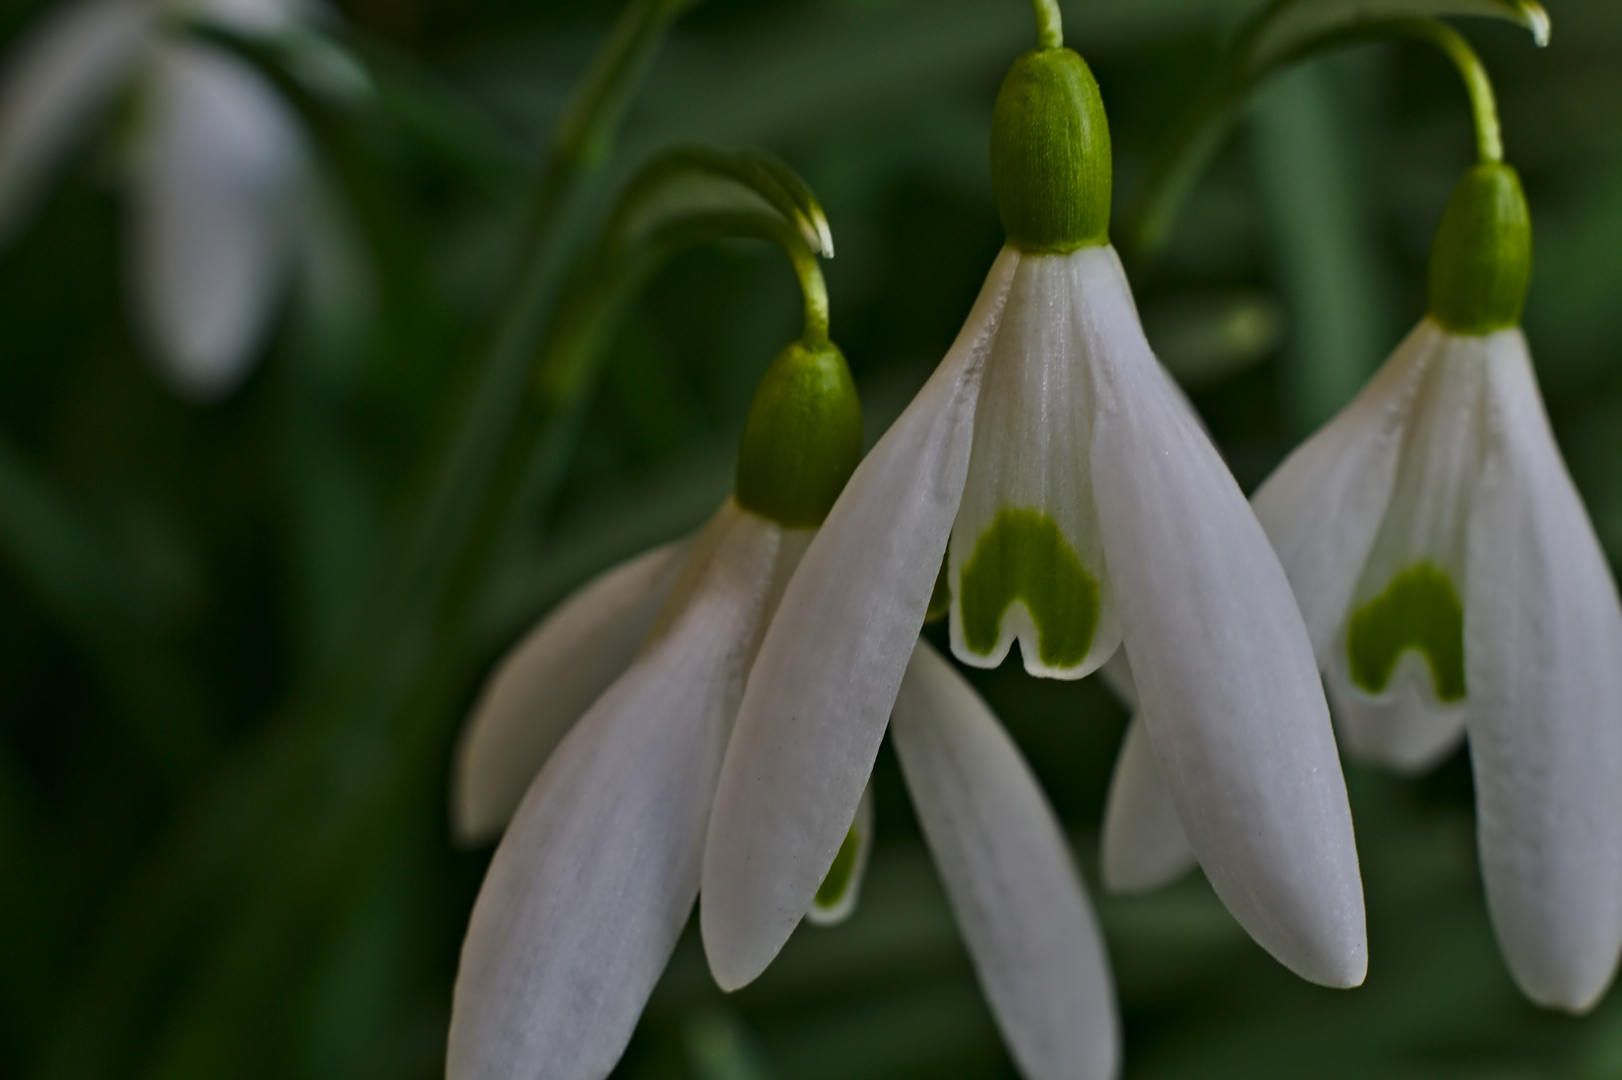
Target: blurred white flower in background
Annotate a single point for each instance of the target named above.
(211, 166)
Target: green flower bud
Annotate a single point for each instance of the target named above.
(1050, 154)
(803, 437)
(1481, 259)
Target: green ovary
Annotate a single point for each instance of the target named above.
(1024, 557)
(1419, 610)
(839, 874)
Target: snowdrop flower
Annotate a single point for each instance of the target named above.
(605, 728)
(213, 165)
(1086, 509)
(1453, 584)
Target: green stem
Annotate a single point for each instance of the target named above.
(1196, 137)
(1483, 106)
(481, 439)
(808, 268)
(1049, 24)
(567, 367)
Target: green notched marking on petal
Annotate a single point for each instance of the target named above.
(1419, 610)
(1024, 557)
(840, 873)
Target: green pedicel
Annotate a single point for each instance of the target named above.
(1024, 557)
(840, 874)
(1050, 154)
(1481, 259)
(1419, 610)
(803, 437)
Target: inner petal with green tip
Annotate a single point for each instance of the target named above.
(840, 874)
(1419, 610)
(1024, 557)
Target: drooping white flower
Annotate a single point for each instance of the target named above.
(214, 169)
(1453, 585)
(1085, 508)
(606, 728)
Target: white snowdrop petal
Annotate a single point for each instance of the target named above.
(594, 879)
(836, 897)
(1542, 637)
(212, 227)
(1117, 676)
(1404, 729)
(1026, 560)
(1144, 846)
(546, 682)
(820, 692)
(1322, 507)
(1225, 674)
(57, 77)
(1009, 875)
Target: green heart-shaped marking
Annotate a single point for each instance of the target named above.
(1419, 610)
(1023, 556)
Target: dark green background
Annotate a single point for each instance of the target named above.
(204, 875)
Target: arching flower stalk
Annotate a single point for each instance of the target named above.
(1086, 508)
(214, 169)
(1453, 586)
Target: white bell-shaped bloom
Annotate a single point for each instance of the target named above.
(216, 170)
(1009, 876)
(598, 870)
(1453, 584)
(1123, 516)
(605, 728)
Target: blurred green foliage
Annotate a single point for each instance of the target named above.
(220, 855)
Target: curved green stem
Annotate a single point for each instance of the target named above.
(808, 268)
(1483, 106)
(481, 438)
(1049, 24)
(1196, 137)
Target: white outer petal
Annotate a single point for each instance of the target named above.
(214, 179)
(1009, 875)
(1322, 507)
(1224, 670)
(1543, 664)
(820, 692)
(546, 682)
(1144, 845)
(1403, 729)
(56, 78)
(1117, 676)
(595, 877)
